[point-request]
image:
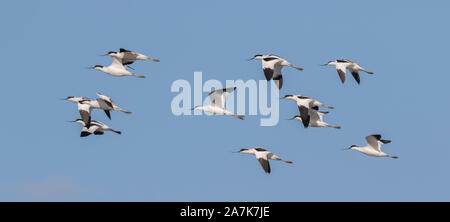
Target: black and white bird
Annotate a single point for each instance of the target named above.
(304, 104)
(316, 118)
(106, 104)
(263, 156)
(128, 57)
(84, 108)
(217, 105)
(85, 105)
(343, 64)
(117, 68)
(272, 65)
(96, 128)
(373, 147)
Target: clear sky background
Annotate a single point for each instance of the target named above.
(47, 45)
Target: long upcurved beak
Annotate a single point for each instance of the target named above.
(324, 64)
(90, 67)
(103, 55)
(250, 59)
(236, 152)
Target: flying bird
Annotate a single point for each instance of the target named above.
(316, 118)
(272, 65)
(84, 108)
(85, 105)
(373, 147)
(304, 104)
(106, 104)
(217, 105)
(343, 64)
(128, 57)
(263, 156)
(96, 128)
(117, 68)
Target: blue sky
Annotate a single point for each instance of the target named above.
(47, 45)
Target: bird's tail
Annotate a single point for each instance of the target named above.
(287, 161)
(394, 157)
(118, 132)
(239, 116)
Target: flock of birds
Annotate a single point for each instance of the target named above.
(309, 113)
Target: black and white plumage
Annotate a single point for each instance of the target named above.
(95, 127)
(263, 156)
(128, 57)
(343, 64)
(105, 103)
(316, 118)
(217, 105)
(84, 108)
(117, 67)
(304, 104)
(85, 105)
(373, 147)
(272, 65)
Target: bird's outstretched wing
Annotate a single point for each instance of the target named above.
(117, 63)
(277, 77)
(355, 75)
(268, 65)
(217, 97)
(85, 113)
(341, 68)
(304, 105)
(374, 141)
(262, 159)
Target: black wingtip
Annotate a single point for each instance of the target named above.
(385, 141)
(124, 50)
(108, 114)
(84, 134)
(306, 122)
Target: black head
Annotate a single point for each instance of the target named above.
(259, 57)
(68, 98)
(352, 147)
(98, 66)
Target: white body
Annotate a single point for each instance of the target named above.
(272, 65)
(217, 105)
(316, 119)
(342, 65)
(373, 147)
(96, 127)
(263, 156)
(116, 69)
